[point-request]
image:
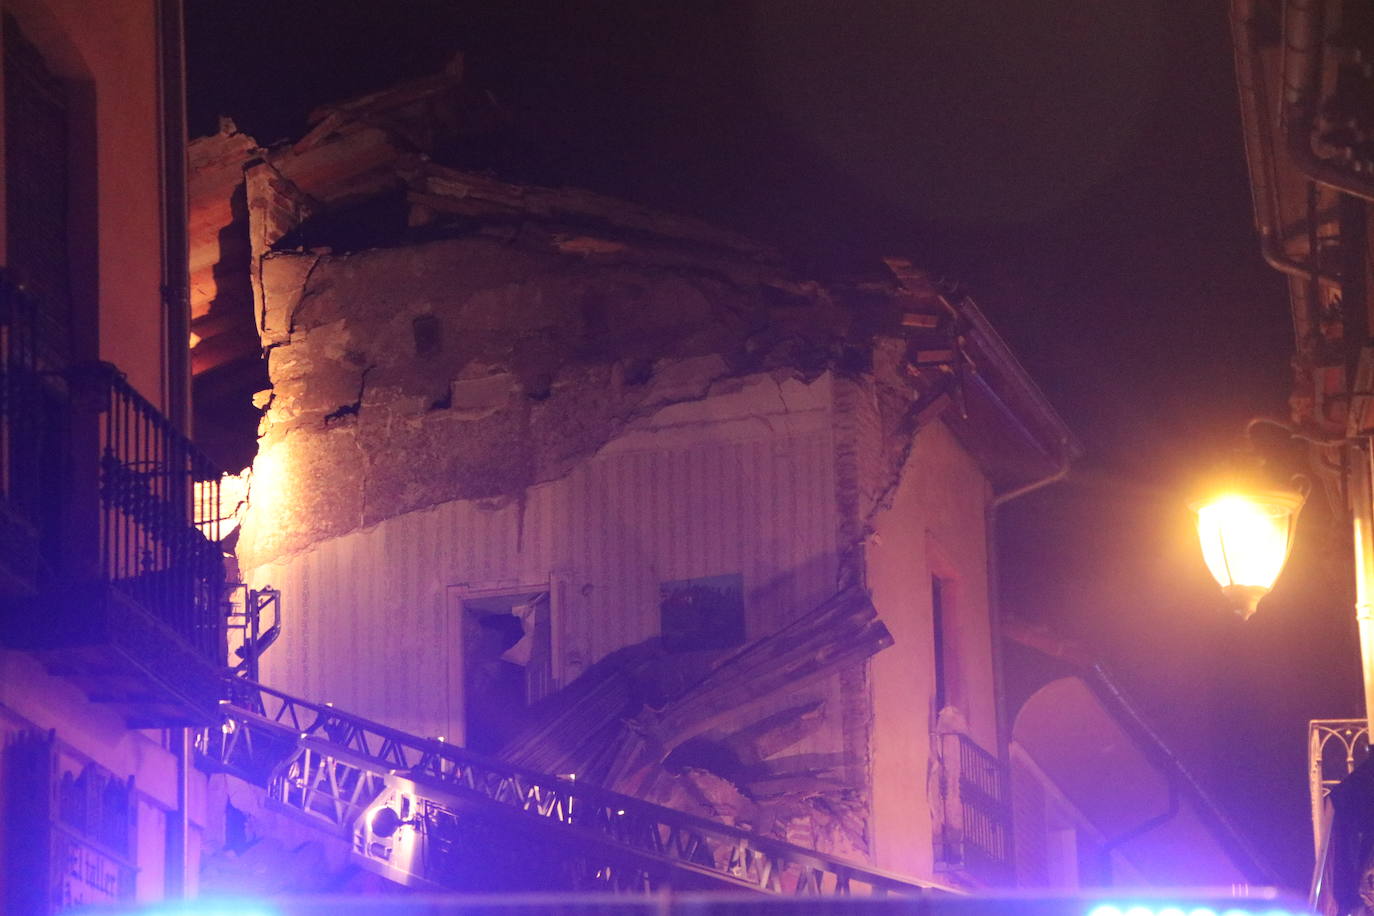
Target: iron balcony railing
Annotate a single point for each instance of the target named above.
(1334, 748)
(160, 515)
(81, 448)
(975, 836)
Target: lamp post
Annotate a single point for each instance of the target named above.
(1246, 537)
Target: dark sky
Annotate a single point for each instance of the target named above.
(1077, 163)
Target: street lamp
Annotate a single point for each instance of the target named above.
(1246, 538)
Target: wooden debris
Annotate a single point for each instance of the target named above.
(619, 724)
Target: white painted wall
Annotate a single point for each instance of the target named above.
(742, 481)
(935, 524)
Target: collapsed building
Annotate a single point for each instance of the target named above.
(546, 463)
(583, 546)
(620, 496)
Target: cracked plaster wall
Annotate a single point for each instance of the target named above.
(471, 369)
(471, 413)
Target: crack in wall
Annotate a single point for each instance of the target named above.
(615, 345)
(305, 294)
(352, 409)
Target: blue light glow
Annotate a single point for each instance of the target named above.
(209, 908)
(1174, 909)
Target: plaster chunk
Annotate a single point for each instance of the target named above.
(283, 279)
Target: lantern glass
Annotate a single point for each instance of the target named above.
(1246, 539)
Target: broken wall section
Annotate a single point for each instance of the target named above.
(475, 368)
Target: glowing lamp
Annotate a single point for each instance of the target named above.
(1245, 542)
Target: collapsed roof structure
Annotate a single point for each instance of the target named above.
(616, 495)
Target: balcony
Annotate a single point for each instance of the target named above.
(110, 569)
(974, 841)
(1334, 748)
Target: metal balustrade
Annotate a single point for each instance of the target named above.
(976, 834)
(340, 770)
(160, 513)
(1334, 748)
(100, 493)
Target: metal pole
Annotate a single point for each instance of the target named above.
(179, 856)
(1362, 516)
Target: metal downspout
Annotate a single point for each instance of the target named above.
(1362, 528)
(1302, 39)
(995, 614)
(176, 322)
(1054, 476)
(175, 280)
(1355, 333)
(1259, 152)
(1159, 820)
(179, 882)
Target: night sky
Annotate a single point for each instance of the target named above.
(1077, 163)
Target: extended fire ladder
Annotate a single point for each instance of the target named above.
(429, 814)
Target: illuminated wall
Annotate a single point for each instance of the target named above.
(106, 54)
(934, 528)
(466, 419)
(105, 58)
(741, 483)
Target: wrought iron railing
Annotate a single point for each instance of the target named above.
(976, 835)
(339, 770)
(79, 447)
(160, 513)
(1334, 748)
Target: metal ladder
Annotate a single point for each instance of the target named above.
(243, 613)
(429, 814)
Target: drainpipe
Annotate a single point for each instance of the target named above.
(1121, 839)
(1054, 476)
(1362, 528)
(176, 320)
(1355, 331)
(995, 614)
(176, 304)
(179, 836)
(1259, 147)
(1302, 41)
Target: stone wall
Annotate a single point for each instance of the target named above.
(475, 368)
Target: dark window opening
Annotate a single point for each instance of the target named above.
(428, 334)
(938, 624)
(36, 187)
(702, 613)
(507, 663)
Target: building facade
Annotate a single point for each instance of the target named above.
(112, 631)
(540, 462)
(1304, 90)
(581, 545)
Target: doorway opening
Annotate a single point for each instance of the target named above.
(506, 659)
